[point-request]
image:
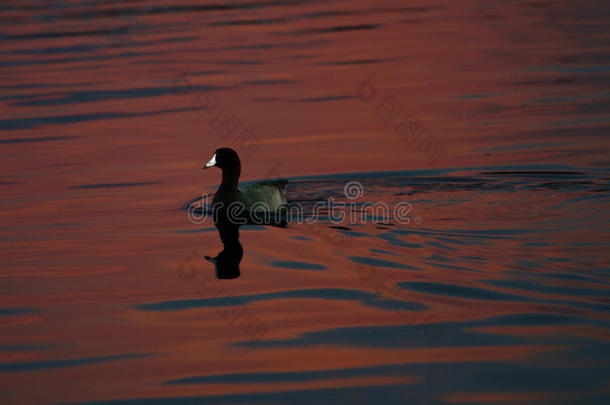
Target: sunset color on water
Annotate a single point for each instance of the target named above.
(448, 187)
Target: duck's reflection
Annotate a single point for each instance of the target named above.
(227, 261)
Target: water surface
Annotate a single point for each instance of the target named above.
(489, 118)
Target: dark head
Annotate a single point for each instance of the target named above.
(224, 158)
(227, 160)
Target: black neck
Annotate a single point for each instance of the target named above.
(230, 177)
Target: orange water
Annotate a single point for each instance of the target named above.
(487, 117)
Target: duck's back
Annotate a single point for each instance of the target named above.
(265, 194)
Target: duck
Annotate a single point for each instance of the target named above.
(267, 195)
